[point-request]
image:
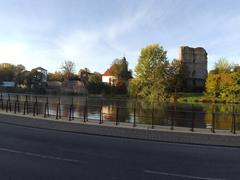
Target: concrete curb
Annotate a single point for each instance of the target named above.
(124, 132)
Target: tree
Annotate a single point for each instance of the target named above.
(120, 69)
(175, 76)
(151, 74)
(222, 65)
(95, 85)
(19, 74)
(7, 72)
(68, 68)
(224, 82)
(95, 77)
(56, 76)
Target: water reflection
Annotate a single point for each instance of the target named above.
(179, 114)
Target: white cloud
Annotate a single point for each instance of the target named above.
(13, 52)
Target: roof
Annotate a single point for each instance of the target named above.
(108, 72)
(40, 68)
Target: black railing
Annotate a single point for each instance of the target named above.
(133, 116)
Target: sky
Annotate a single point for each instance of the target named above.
(92, 33)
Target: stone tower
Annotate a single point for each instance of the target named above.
(194, 61)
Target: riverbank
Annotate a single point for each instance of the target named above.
(179, 135)
(200, 97)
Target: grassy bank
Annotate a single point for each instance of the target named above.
(200, 97)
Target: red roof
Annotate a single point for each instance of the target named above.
(108, 72)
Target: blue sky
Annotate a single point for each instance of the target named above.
(92, 33)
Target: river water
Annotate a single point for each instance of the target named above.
(198, 115)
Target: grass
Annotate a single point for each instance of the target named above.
(194, 97)
(201, 97)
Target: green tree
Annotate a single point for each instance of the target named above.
(224, 82)
(120, 69)
(7, 72)
(222, 65)
(175, 76)
(56, 76)
(151, 74)
(19, 74)
(95, 85)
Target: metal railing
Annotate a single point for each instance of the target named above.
(37, 105)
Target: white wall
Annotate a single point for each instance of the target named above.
(106, 79)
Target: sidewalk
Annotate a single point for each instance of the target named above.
(125, 130)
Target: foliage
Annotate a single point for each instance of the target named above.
(120, 69)
(95, 78)
(175, 76)
(95, 85)
(222, 65)
(56, 76)
(7, 72)
(68, 68)
(224, 82)
(151, 74)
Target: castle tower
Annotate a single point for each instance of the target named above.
(195, 67)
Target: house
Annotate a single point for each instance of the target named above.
(107, 76)
(43, 72)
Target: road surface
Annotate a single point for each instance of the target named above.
(40, 154)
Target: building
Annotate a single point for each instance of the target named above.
(43, 72)
(7, 84)
(107, 76)
(194, 61)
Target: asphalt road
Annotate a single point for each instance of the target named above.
(31, 153)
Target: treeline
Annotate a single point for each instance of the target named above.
(19, 75)
(93, 80)
(223, 82)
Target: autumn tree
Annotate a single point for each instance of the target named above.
(151, 74)
(68, 68)
(224, 82)
(175, 76)
(120, 69)
(56, 76)
(222, 65)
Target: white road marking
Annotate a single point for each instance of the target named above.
(40, 155)
(180, 175)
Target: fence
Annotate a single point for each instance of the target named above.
(59, 108)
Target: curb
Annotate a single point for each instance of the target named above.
(123, 132)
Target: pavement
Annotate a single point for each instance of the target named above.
(44, 153)
(125, 130)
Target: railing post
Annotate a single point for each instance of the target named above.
(193, 116)
(85, 118)
(35, 107)
(8, 104)
(16, 106)
(1, 101)
(58, 112)
(25, 106)
(233, 121)
(172, 120)
(46, 108)
(71, 111)
(100, 115)
(117, 111)
(213, 118)
(134, 116)
(152, 121)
